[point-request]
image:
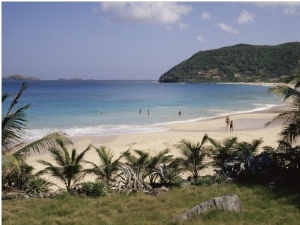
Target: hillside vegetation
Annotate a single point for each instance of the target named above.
(19, 77)
(238, 63)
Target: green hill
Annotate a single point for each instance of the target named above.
(238, 63)
(19, 77)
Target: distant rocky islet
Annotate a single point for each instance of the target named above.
(17, 77)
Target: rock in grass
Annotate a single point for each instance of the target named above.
(227, 203)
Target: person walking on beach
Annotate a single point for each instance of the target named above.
(231, 126)
(227, 121)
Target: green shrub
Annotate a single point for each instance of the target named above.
(221, 179)
(204, 180)
(37, 185)
(94, 189)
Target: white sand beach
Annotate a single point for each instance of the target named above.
(246, 127)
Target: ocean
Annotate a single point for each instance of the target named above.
(94, 107)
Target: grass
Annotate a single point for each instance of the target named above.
(260, 206)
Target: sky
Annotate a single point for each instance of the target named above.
(132, 40)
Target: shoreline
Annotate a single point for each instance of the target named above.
(247, 127)
(109, 133)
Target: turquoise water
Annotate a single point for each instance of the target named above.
(112, 107)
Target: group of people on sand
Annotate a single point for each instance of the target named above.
(229, 123)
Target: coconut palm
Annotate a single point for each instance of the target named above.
(150, 168)
(14, 149)
(133, 172)
(13, 122)
(69, 168)
(108, 168)
(223, 151)
(290, 119)
(138, 162)
(246, 154)
(194, 156)
(170, 173)
(289, 155)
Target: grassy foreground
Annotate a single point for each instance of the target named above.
(260, 206)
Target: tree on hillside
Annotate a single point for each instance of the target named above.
(14, 149)
(69, 168)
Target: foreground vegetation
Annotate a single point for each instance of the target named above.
(260, 206)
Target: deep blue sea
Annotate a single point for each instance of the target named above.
(112, 107)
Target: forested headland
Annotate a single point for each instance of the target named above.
(238, 63)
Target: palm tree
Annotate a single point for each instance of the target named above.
(69, 168)
(14, 150)
(133, 172)
(291, 118)
(247, 152)
(108, 168)
(170, 173)
(156, 166)
(194, 156)
(13, 122)
(223, 151)
(138, 163)
(289, 155)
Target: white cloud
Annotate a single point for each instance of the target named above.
(205, 16)
(288, 8)
(200, 38)
(245, 17)
(227, 28)
(146, 12)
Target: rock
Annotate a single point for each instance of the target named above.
(226, 203)
(26, 196)
(12, 194)
(159, 191)
(40, 195)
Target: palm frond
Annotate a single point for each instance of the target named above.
(80, 156)
(291, 132)
(284, 91)
(4, 97)
(10, 163)
(283, 118)
(59, 156)
(55, 140)
(204, 140)
(16, 98)
(13, 126)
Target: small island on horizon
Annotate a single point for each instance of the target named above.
(19, 77)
